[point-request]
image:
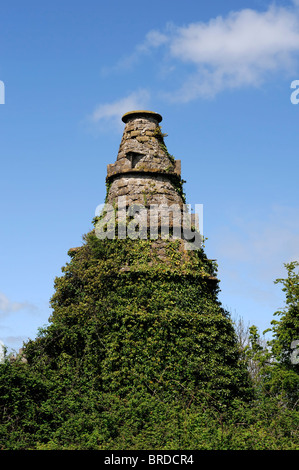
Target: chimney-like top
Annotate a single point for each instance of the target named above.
(140, 114)
(144, 170)
(142, 149)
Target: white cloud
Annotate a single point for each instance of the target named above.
(8, 306)
(264, 240)
(244, 48)
(241, 49)
(238, 50)
(245, 37)
(153, 39)
(112, 112)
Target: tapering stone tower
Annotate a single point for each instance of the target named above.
(146, 175)
(136, 322)
(144, 171)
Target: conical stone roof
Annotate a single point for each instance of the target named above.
(144, 171)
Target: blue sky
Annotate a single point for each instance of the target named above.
(220, 74)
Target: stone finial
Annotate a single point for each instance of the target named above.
(141, 114)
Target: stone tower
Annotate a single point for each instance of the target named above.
(144, 171)
(139, 351)
(146, 175)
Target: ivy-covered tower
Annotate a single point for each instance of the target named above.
(146, 174)
(138, 322)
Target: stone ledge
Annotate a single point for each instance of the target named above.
(114, 170)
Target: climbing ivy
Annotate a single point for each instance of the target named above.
(160, 137)
(153, 317)
(138, 354)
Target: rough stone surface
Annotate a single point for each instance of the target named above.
(144, 171)
(146, 174)
(144, 189)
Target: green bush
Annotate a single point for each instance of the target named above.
(139, 358)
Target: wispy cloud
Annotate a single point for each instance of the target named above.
(153, 40)
(8, 306)
(112, 112)
(263, 240)
(252, 251)
(238, 50)
(241, 49)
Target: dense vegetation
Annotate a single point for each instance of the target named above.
(141, 355)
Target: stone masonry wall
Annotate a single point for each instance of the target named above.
(144, 171)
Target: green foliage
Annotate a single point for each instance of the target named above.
(177, 182)
(139, 354)
(178, 186)
(286, 330)
(276, 374)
